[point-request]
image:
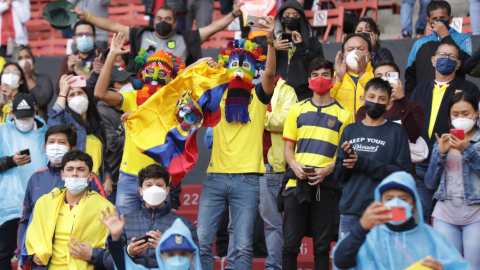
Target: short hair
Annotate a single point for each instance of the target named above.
(457, 97)
(165, 7)
(154, 171)
(386, 63)
(82, 22)
(319, 63)
(349, 36)
(77, 155)
(379, 84)
(439, 4)
(450, 43)
(67, 130)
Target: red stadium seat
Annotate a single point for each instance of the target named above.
(335, 17)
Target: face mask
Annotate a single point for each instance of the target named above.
(78, 105)
(374, 110)
(154, 196)
(126, 88)
(24, 61)
(76, 185)
(320, 85)
(399, 202)
(446, 66)
(384, 78)
(177, 263)
(352, 59)
(291, 23)
(85, 44)
(463, 123)
(11, 80)
(55, 153)
(163, 28)
(24, 124)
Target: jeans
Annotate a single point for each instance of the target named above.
(270, 185)
(466, 239)
(475, 16)
(240, 192)
(200, 11)
(113, 196)
(346, 223)
(8, 243)
(426, 195)
(406, 14)
(128, 198)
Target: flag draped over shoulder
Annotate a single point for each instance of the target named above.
(165, 126)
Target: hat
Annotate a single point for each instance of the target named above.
(393, 184)
(119, 74)
(176, 242)
(58, 14)
(23, 106)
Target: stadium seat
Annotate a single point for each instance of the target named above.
(335, 17)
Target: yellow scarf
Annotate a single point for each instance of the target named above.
(87, 228)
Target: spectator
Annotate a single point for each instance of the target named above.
(39, 84)
(453, 174)
(200, 11)
(154, 218)
(65, 218)
(81, 62)
(98, 8)
(22, 131)
(406, 16)
(59, 140)
(75, 108)
(419, 69)
(369, 26)
(232, 133)
(369, 151)
(293, 59)
(376, 242)
(434, 95)
(120, 60)
(13, 16)
(163, 35)
(180, 7)
(353, 73)
(12, 83)
(311, 205)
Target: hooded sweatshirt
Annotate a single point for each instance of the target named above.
(383, 248)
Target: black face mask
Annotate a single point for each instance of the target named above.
(374, 110)
(291, 23)
(163, 28)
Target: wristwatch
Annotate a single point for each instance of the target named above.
(271, 42)
(233, 14)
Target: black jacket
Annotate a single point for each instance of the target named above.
(472, 65)
(379, 54)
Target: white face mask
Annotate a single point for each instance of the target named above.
(463, 123)
(126, 88)
(78, 104)
(154, 196)
(24, 124)
(55, 152)
(11, 80)
(76, 185)
(352, 59)
(24, 61)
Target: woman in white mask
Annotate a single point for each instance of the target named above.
(39, 84)
(12, 82)
(454, 172)
(75, 107)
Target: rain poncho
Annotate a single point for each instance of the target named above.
(387, 249)
(13, 182)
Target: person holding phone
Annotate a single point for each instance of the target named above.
(369, 27)
(454, 175)
(378, 242)
(12, 83)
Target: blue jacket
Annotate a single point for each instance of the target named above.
(435, 177)
(58, 116)
(137, 224)
(41, 183)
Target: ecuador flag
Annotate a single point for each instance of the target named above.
(165, 126)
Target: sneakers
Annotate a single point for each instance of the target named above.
(406, 35)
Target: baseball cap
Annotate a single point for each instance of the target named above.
(119, 74)
(176, 242)
(23, 105)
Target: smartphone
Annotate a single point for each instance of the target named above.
(398, 213)
(80, 81)
(459, 133)
(309, 169)
(25, 152)
(392, 77)
(253, 21)
(146, 237)
(287, 36)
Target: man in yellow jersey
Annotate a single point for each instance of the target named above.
(312, 133)
(237, 153)
(435, 95)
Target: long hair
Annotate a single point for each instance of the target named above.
(371, 24)
(22, 88)
(15, 55)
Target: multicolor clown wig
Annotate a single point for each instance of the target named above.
(244, 62)
(155, 69)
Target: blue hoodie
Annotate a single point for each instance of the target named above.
(382, 248)
(122, 260)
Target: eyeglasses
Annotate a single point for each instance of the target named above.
(444, 55)
(84, 34)
(15, 72)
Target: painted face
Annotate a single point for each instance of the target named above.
(241, 65)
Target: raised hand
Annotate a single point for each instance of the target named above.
(82, 15)
(443, 144)
(117, 42)
(113, 222)
(340, 67)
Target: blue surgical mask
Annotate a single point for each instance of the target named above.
(85, 44)
(177, 263)
(399, 202)
(446, 66)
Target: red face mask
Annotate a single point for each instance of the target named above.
(320, 85)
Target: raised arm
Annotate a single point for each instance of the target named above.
(219, 25)
(103, 23)
(268, 81)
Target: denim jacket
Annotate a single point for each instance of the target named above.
(435, 177)
(58, 116)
